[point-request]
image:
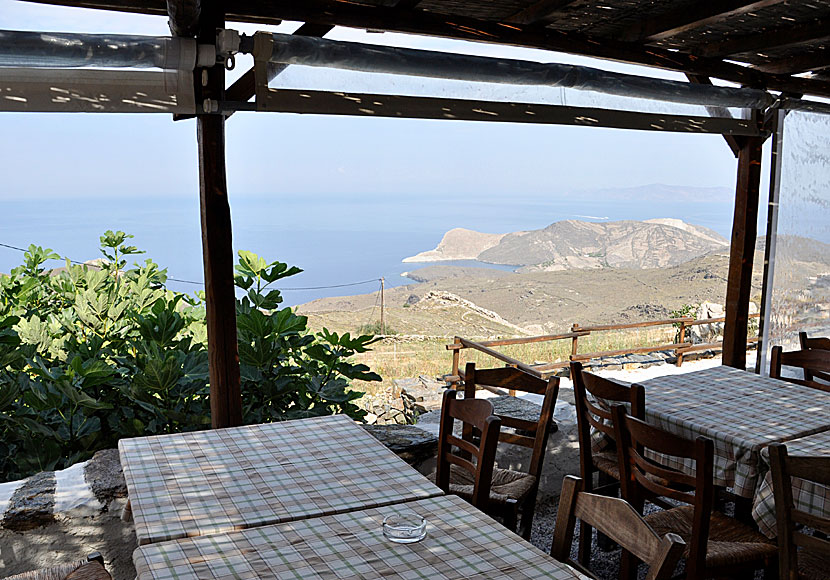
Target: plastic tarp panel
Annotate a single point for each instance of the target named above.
(798, 280)
(96, 91)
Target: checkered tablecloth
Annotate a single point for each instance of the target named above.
(808, 496)
(461, 542)
(209, 482)
(740, 411)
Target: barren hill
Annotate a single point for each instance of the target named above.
(623, 244)
(458, 244)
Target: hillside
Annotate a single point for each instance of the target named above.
(622, 244)
(573, 244)
(538, 302)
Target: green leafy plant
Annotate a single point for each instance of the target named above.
(97, 352)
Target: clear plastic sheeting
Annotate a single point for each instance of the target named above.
(316, 52)
(798, 281)
(73, 50)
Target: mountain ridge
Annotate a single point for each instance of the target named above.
(575, 244)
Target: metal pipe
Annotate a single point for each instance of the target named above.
(308, 51)
(71, 50)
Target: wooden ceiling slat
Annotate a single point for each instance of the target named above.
(703, 13)
(790, 65)
(540, 11)
(415, 21)
(770, 39)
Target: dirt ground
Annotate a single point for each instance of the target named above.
(70, 539)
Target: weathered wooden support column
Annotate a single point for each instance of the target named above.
(742, 252)
(217, 250)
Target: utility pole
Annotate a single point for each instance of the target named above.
(382, 323)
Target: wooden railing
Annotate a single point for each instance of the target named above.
(680, 346)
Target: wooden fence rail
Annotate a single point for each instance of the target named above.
(680, 347)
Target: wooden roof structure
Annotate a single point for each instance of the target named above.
(768, 44)
(775, 45)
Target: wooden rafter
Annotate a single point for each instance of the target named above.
(416, 21)
(817, 60)
(733, 142)
(245, 86)
(184, 16)
(702, 13)
(540, 11)
(770, 39)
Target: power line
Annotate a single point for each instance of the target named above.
(202, 283)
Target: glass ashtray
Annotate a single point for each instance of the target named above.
(404, 528)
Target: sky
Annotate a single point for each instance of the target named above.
(112, 155)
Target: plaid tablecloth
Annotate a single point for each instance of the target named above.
(461, 542)
(216, 481)
(741, 411)
(808, 496)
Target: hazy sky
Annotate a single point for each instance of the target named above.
(114, 155)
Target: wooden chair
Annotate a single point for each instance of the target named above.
(814, 362)
(812, 562)
(593, 417)
(817, 343)
(514, 492)
(619, 521)
(479, 413)
(715, 544)
(90, 569)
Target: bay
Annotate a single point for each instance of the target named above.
(337, 239)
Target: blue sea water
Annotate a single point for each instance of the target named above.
(336, 239)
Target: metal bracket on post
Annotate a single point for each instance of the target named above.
(263, 48)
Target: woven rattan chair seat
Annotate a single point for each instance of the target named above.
(507, 484)
(81, 570)
(731, 543)
(812, 566)
(607, 462)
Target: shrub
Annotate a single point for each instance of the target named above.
(91, 354)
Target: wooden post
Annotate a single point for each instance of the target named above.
(382, 319)
(456, 359)
(679, 353)
(217, 250)
(574, 340)
(742, 250)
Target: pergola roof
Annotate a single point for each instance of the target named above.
(781, 45)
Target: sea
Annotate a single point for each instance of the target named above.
(344, 243)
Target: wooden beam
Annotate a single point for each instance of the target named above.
(733, 142)
(245, 86)
(354, 15)
(184, 16)
(217, 248)
(403, 107)
(770, 39)
(540, 11)
(701, 13)
(790, 65)
(742, 253)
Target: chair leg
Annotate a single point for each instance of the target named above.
(605, 543)
(510, 519)
(527, 522)
(585, 536)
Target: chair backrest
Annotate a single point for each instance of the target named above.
(818, 343)
(642, 479)
(617, 519)
(815, 363)
(592, 412)
(479, 414)
(533, 435)
(814, 469)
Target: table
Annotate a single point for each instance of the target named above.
(808, 496)
(210, 482)
(740, 411)
(461, 542)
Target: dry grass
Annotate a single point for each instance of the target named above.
(397, 358)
